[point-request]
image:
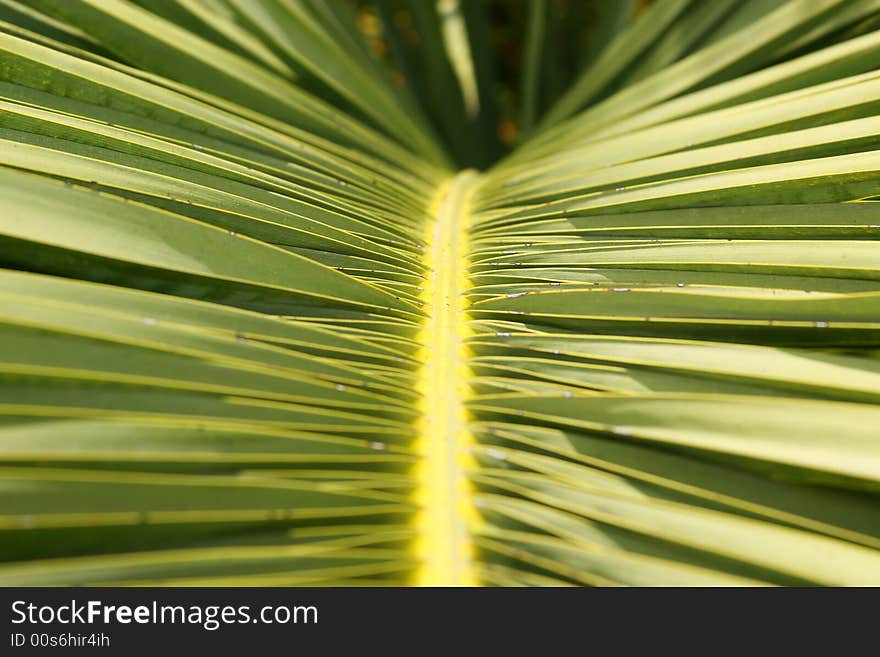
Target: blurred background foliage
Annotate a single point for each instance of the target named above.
(520, 73)
(509, 51)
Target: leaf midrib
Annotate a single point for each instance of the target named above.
(447, 513)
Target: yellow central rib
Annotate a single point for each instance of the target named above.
(447, 514)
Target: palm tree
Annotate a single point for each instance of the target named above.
(278, 311)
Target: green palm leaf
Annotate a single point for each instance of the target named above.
(262, 323)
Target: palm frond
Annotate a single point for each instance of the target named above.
(263, 323)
